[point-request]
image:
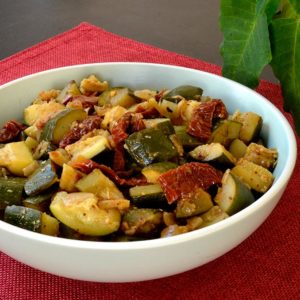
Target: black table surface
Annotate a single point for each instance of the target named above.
(189, 27)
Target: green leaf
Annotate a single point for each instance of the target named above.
(285, 41)
(246, 47)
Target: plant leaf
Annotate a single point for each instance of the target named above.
(246, 47)
(285, 40)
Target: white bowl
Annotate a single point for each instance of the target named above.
(150, 259)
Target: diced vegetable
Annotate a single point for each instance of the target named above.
(80, 211)
(153, 171)
(148, 196)
(214, 153)
(41, 112)
(23, 217)
(256, 177)
(60, 124)
(197, 202)
(150, 145)
(234, 195)
(41, 179)
(214, 215)
(15, 157)
(49, 225)
(88, 147)
(162, 124)
(141, 221)
(251, 125)
(188, 92)
(71, 89)
(117, 96)
(261, 155)
(186, 139)
(39, 202)
(69, 178)
(100, 185)
(11, 189)
(226, 132)
(237, 148)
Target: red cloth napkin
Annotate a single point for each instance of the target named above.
(265, 266)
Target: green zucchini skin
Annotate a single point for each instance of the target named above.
(188, 92)
(40, 202)
(24, 217)
(41, 180)
(11, 190)
(60, 124)
(186, 139)
(234, 195)
(150, 145)
(148, 196)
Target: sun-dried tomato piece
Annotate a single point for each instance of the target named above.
(201, 121)
(119, 130)
(220, 109)
(10, 131)
(86, 126)
(119, 159)
(180, 182)
(86, 166)
(149, 113)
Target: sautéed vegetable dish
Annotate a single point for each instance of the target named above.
(103, 163)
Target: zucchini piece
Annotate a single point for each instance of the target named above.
(251, 125)
(188, 92)
(226, 132)
(261, 155)
(40, 202)
(60, 124)
(23, 217)
(214, 215)
(31, 143)
(71, 89)
(150, 145)
(121, 96)
(237, 148)
(142, 221)
(199, 201)
(148, 196)
(88, 147)
(68, 178)
(11, 190)
(39, 112)
(100, 185)
(15, 157)
(173, 230)
(49, 225)
(153, 171)
(92, 84)
(162, 124)
(234, 195)
(41, 179)
(80, 211)
(213, 153)
(59, 156)
(256, 177)
(186, 139)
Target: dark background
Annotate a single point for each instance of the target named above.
(189, 27)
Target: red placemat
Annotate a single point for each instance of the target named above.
(265, 266)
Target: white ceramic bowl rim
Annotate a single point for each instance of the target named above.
(160, 242)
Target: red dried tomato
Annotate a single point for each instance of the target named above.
(220, 109)
(86, 126)
(10, 131)
(86, 166)
(201, 122)
(178, 183)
